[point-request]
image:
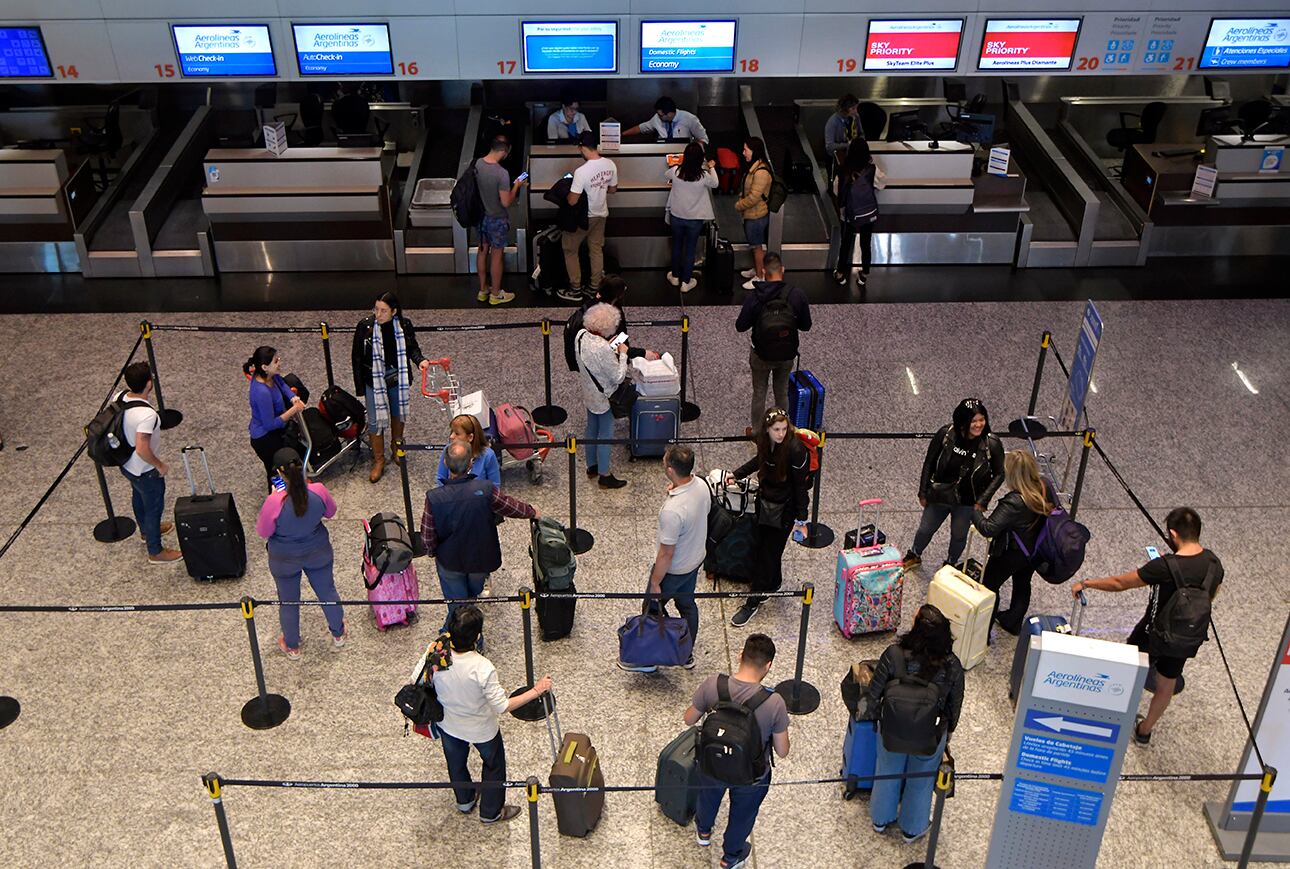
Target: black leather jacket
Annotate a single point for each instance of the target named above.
(1010, 515)
(982, 481)
(361, 354)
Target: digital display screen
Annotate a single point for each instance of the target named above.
(22, 53)
(687, 46)
(224, 50)
(919, 44)
(343, 49)
(570, 46)
(1028, 43)
(1247, 43)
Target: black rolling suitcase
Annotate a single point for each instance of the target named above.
(209, 529)
(719, 266)
(554, 565)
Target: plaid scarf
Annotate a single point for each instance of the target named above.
(380, 394)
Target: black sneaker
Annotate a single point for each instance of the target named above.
(743, 614)
(862, 279)
(609, 481)
(592, 472)
(570, 294)
(840, 278)
(1138, 736)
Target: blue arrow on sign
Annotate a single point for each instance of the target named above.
(1056, 722)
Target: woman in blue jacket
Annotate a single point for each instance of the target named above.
(273, 405)
(466, 428)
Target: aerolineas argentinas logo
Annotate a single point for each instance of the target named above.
(229, 40)
(1272, 32)
(1097, 683)
(354, 37)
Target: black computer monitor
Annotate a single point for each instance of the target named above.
(904, 126)
(1215, 121)
(975, 129)
(955, 91)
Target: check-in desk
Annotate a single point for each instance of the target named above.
(36, 225)
(1249, 213)
(311, 209)
(636, 233)
(932, 209)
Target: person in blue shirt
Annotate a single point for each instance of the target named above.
(466, 429)
(273, 405)
(567, 123)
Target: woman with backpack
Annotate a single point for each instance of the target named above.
(917, 689)
(603, 368)
(273, 405)
(1015, 523)
(385, 348)
(859, 181)
(466, 429)
(962, 470)
(291, 521)
(783, 467)
(752, 206)
(689, 208)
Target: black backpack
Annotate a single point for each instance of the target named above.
(721, 521)
(1180, 626)
(467, 206)
(777, 194)
(105, 435)
(731, 747)
(775, 332)
(909, 717)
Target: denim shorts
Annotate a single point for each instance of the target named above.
(757, 231)
(495, 230)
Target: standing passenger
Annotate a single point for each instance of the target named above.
(602, 368)
(385, 346)
(497, 192)
(595, 178)
(859, 180)
(841, 129)
(145, 471)
(752, 207)
(689, 204)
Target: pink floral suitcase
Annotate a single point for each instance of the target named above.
(390, 586)
(869, 585)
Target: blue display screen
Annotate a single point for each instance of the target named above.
(343, 49)
(687, 46)
(1247, 43)
(570, 46)
(22, 53)
(224, 50)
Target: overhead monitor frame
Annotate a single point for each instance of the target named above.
(985, 33)
(389, 48)
(524, 49)
(1210, 30)
(958, 50)
(734, 45)
(44, 48)
(206, 25)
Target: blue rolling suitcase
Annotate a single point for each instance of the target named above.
(805, 400)
(859, 757)
(1036, 625)
(654, 419)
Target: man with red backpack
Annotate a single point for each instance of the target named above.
(775, 311)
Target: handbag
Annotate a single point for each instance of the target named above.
(655, 639)
(418, 700)
(770, 513)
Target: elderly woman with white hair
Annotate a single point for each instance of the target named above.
(603, 368)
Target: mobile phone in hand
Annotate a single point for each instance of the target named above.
(620, 338)
(524, 176)
(1153, 552)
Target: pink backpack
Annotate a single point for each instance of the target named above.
(515, 426)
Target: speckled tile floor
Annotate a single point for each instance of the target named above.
(123, 712)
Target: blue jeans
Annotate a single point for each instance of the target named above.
(745, 802)
(908, 801)
(685, 238)
(456, 752)
(757, 230)
(148, 498)
(679, 587)
(600, 426)
(934, 517)
(458, 585)
(392, 400)
(317, 566)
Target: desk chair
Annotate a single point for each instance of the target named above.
(1125, 137)
(873, 119)
(101, 141)
(311, 119)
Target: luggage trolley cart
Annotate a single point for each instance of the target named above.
(317, 457)
(440, 383)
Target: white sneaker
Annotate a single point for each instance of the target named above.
(750, 284)
(689, 285)
(673, 280)
(748, 273)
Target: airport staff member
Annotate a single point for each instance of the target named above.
(669, 122)
(568, 123)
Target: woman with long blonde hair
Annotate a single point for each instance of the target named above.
(1016, 521)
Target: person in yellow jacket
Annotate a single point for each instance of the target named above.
(751, 205)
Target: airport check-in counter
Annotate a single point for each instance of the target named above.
(311, 209)
(1248, 213)
(36, 224)
(636, 233)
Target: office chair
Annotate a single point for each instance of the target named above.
(873, 119)
(311, 119)
(1124, 137)
(1254, 117)
(101, 141)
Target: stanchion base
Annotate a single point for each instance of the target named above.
(819, 536)
(170, 417)
(114, 530)
(531, 711)
(808, 696)
(418, 546)
(266, 715)
(9, 709)
(689, 411)
(549, 414)
(921, 865)
(580, 540)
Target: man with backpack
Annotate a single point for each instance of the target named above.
(776, 312)
(139, 430)
(742, 721)
(1176, 624)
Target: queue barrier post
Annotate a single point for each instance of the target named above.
(818, 535)
(169, 416)
(263, 711)
(1265, 790)
(800, 696)
(531, 788)
(326, 342)
(114, 528)
(944, 783)
(214, 789)
(10, 709)
(1044, 342)
(1089, 436)
(534, 710)
(580, 540)
(689, 410)
(418, 546)
(549, 414)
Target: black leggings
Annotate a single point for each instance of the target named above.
(849, 231)
(1011, 564)
(768, 560)
(268, 444)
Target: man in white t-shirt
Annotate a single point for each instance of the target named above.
(671, 124)
(146, 472)
(682, 541)
(596, 178)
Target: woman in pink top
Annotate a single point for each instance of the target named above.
(292, 523)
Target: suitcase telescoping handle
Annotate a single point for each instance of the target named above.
(1077, 612)
(556, 736)
(192, 484)
(967, 548)
(875, 503)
